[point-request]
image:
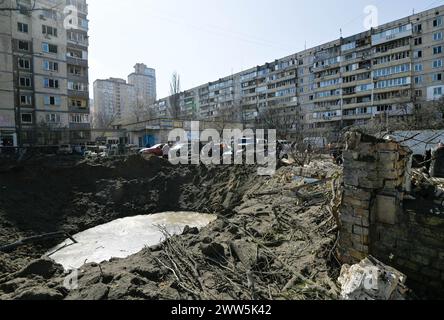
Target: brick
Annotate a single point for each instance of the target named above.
(386, 209)
(362, 213)
(362, 231)
(388, 157)
(389, 146)
(357, 255)
(361, 240)
(356, 202)
(371, 184)
(361, 247)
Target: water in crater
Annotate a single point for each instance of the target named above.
(124, 237)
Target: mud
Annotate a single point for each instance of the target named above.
(262, 246)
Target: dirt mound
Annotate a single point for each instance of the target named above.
(291, 239)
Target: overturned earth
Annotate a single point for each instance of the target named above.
(269, 242)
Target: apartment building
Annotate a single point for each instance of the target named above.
(117, 102)
(44, 72)
(114, 102)
(387, 71)
(144, 81)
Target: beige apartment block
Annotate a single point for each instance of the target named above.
(384, 72)
(39, 61)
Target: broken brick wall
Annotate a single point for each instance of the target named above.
(374, 220)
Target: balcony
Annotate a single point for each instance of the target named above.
(80, 126)
(77, 61)
(78, 94)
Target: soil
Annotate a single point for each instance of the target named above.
(265, 245)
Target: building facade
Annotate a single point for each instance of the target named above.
(114, 102)
(44, 72)
(383, 72)
(144, 81)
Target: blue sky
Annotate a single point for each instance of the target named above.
(204, 40)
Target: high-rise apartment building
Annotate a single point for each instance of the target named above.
(144, 81)
(385, 71)
(117, 102)
(44, 72)
(114, 102)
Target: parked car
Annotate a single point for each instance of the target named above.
(155, 150)
(190, 156)
(65, 149)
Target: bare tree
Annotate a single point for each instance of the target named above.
(104, 120)
(406, 117)
(50, 133)
(174, 99)
(141, 110)
(228, 115)
(285, 120)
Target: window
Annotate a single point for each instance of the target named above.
(79, 118)
(75, 70)
(27, 117)
(50, 31)
(25, 100)
(437, 50)
(437, 22)
(437, 64)
(392, 70)
(23, 45)
(437, 91)
(50, 14)
(50, 48)
(75, 54)
(78, 103)
(418, 80)
(24, 63)
(417, 28)
(22, 27)
(437, 77)
(77, 86)
(418, 93)
(25, 82)
(437, 36)
(50, 66)
(51, 83)
(417, 54)
(418, 41)
(53, 118)
(418, 67)
(52, 101)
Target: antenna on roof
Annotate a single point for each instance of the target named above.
(340, 32)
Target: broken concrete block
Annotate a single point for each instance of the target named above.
(372, 280)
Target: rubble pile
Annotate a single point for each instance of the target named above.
(272, 240)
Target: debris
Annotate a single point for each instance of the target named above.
(372, 280)
(33, 239)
